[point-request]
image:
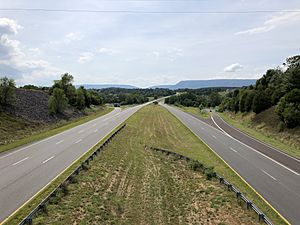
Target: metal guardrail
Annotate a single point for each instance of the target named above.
(42, 206)
(240, 196)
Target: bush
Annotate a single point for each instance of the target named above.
(288, 108)
(7, 91)
(196, 165)
(57, 102)
(210, 173)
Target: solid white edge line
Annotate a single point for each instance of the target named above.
(269, 175)
(48, 159)
(214, 136)
(16, 163)
(273, 160)
(270, 146)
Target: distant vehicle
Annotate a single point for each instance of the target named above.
(117, 104)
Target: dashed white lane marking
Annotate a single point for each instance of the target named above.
(202, 128)
(59, 142)
(16, 163)
(78, 141)
(48, 159)
(96, 130)
(273, 160)
(214, 136)
(80, 131)
(232, 149)
(269, 175)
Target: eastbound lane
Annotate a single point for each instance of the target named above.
(278, 184)
(25, 171)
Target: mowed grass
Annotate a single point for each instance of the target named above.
(263, 127)
(127, 184)
(195, 110)
(15, 132)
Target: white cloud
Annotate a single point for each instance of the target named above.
(233, 68)
(8, 26)
(156, 54)
(275, 21)
(85, 57)
(107, 51)
(13, 60)
(73, 36)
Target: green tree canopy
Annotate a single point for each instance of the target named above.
(7, 91)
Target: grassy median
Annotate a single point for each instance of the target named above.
(128, 185)
(195, 111)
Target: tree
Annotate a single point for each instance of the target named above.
(80, 99)
(261, 101)
(288, 108)
(249, 100)
(96, 98)
(57, 102)
(7, 91)
(242, 103)
(66, 84)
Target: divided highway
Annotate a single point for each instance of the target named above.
(25, 171)
(278, 183)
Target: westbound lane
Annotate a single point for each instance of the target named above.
(268, 150)
(25, 171)
(278, 184)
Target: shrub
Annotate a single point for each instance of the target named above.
(57, 102)
(288, 108)
(209, 173)
(196, 165)
(7, 91)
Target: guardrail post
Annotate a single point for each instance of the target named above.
(28, 221)
(238, 195)
(221, 180)
(261, 217)
(249, 205)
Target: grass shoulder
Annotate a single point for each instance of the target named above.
(263, 127)
(195, 111)
(15, 132)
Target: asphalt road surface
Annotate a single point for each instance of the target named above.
(24, 171)
(278, 183)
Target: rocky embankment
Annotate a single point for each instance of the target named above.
(32, 105)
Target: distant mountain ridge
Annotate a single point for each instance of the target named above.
(194, 84)
(191, 84)
(102, 86)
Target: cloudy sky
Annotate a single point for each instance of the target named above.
(145, 49)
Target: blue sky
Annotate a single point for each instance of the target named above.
(145, 49)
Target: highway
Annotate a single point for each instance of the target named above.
(278, 183)
(26, 170)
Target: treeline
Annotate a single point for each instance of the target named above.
(131, 96)
(64, 93)
(204, 97)
(276, 88)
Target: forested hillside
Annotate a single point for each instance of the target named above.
(277, 87)
(132, 96)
